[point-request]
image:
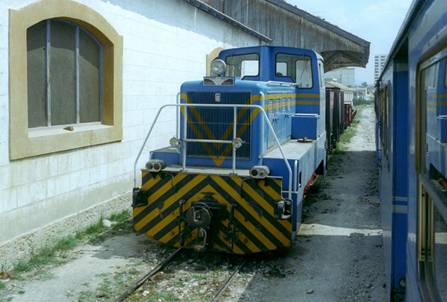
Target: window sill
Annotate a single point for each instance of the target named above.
(59, 130)
(41, 141)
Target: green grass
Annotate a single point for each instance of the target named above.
(2, 285)
(159, 296)
(47, 255)
(199, 276)
(120, 217)
(349, 133)
(56, 253)
(92, 230)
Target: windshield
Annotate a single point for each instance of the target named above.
(246, 65)
(295, 68)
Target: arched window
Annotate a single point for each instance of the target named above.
(65, 78)
(65, 74)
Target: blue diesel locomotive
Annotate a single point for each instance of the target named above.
(250, 137)
(411, 109)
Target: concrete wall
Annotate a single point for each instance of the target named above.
(165, 43)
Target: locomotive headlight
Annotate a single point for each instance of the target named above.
(259, 172)
(155, 165)
(218, 68)
(174, 142)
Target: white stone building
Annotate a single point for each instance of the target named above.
(78, 94)
(80, 84)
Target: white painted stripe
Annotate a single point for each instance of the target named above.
(326, 230)
(400, 198)
(399, 209)
(441, 238)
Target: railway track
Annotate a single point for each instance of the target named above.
(227, 282)
(147, 277)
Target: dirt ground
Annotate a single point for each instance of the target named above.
(338, 255)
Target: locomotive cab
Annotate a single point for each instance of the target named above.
(249, 137)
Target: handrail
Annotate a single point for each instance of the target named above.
(309, 115)
(234, 106)
(261, 157)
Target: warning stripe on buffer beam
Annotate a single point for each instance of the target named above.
(249, 223)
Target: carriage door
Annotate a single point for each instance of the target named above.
(432, 178)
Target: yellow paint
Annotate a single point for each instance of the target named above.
(236, 248)
(137, 211)
(270, 227)
(257, 98)
(166, 187)
(168, 202)
(259, 235)
(150, 183)
(251, 211)
(219, 159)
(268, 189)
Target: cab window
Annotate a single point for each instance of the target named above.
(294, 68)
(246, 65)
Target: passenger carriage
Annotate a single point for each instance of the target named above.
(411, 132)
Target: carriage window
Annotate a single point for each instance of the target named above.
(384, 98)
(64, 74)
(246, 65)
(432, 208)
(432, 238)
(429, 76)
(295, 68)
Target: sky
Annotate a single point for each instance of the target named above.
(376, 21)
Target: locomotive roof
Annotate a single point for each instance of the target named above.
(319, 56)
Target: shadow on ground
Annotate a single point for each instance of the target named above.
(341, 258)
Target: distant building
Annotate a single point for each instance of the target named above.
(348, 92)
(379, 64)
(345, 76)
(363, 93)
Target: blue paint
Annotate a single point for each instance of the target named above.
(420, 38)
(281, 101)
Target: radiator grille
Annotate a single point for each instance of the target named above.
(217, 123)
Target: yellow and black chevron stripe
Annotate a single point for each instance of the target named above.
(248, 224)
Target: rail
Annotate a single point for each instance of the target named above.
(222, 289)
(148, 276)
(234, 141)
